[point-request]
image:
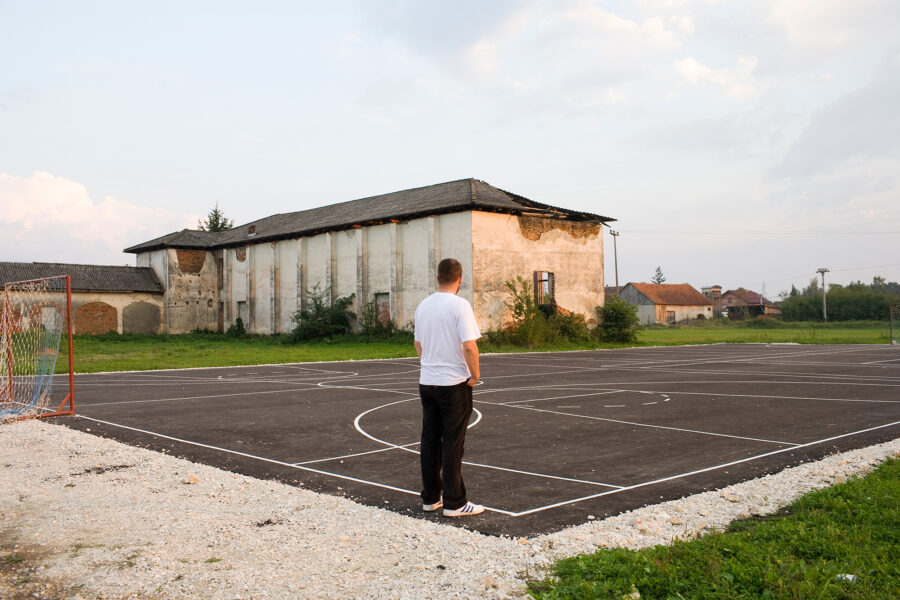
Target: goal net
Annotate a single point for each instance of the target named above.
(35, 317)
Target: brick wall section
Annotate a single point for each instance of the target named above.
(191, 261)
(96, 317)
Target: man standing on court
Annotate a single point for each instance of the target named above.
(445, 338)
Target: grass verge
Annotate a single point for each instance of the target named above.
(841, 542)
(114, 352)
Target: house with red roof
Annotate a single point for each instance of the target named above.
(742, 303)
(667, 303)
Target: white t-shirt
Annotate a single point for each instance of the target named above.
(443, 322)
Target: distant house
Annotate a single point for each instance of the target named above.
(104, 298)
(667, 303)
(742, 303)
(714, 293)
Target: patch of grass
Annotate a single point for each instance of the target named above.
(114, 352)
(14, 559)
(213, 560)
(808, 550)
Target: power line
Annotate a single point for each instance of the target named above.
(769, 233)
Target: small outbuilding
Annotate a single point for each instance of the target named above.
(667, 303)
(104, 298)
(743, 303)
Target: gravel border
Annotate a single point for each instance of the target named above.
(97, 518)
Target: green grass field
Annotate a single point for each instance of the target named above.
(112, 352)
(839, 542)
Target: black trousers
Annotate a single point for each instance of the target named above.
(445, 416)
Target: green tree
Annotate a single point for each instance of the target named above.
(658, 277)
(215, 221)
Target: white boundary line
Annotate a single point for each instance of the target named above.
(273, 461)
(704, 470)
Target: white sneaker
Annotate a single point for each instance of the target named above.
(464, 511)
(433, 507)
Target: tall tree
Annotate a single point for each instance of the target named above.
(215, 221)
(658, 277)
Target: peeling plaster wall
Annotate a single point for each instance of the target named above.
(287, 257)
(261, 259)
(400, 259)
(191, 293)
(344, 265)
(158, 260)
(505, 246)
(380, 259)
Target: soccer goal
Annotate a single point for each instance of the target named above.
(36, 315)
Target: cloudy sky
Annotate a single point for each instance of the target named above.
(737, 143)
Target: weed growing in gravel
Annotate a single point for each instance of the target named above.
(14, 559)
(838, 542)
(213, 560)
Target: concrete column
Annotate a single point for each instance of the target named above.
(301, 274)
(251, 301)
(331, 265)
(362, 271)
(226, 288)
(273, 291)
(396, 298)
(433, 249)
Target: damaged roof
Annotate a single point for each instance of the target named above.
(673, 294)
(443, 198)
(86, 278)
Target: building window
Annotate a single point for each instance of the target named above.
(242, 311)
(670, 317)
(544, 289)
(383, 307)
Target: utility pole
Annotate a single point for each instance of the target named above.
(822, 271)
(614, 235)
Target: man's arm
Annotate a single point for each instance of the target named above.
(470, 353)
(418, 348)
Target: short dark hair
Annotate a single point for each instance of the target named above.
(449, 270)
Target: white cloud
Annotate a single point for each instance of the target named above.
(832, 24)
(44, 217)
(738, 82)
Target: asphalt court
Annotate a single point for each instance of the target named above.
(554, 438)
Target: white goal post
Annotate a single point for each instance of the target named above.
(34, 318)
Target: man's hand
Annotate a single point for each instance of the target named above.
(470, 353)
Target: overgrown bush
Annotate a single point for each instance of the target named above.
(531, 325)
(618, 321)
(236, 329)
(322, 318)
(371, 324)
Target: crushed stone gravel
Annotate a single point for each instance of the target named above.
(103, 519)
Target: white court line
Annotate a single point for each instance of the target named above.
(566, 414)
(718, 358)
(273, 461)
(874, 362)
(355, 454)
(704, 470)
(248, 393)
(514, 402)
(465, 462)
(691, 392)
